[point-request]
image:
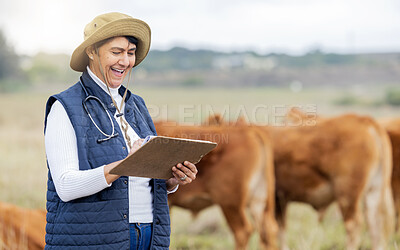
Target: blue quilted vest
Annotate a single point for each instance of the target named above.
(100, 221)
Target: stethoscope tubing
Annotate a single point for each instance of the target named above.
(108, 136)
(114, 134)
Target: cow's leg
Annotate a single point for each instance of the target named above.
(395, 181)
(239, 224)
(397, 210)
(350, 208)
(321, 214)
(262, 205)
(379, 212)
(395, 177)
(264, 218)
(280, 211)
(268, 229)
(375, 219)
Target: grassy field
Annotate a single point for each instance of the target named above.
(24, 173)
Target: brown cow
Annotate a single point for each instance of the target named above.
(392, 126)
(346, 159)
(21, 228)
(237, 175)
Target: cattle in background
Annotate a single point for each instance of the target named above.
(345, 159)
(21, 228)
(392, 126)
(237, 175)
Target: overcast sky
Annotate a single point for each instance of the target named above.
(289, 26)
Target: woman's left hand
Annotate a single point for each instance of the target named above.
(183, 174)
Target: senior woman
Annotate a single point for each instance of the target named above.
(89, 129)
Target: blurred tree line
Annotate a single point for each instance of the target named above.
(9, 60)
(207, 68)
(44, 69)
(19, 72)
(9, 64)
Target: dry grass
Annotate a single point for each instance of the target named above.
(23, 165)
(24, 172)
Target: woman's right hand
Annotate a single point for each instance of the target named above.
(112, 177)
(136, 145)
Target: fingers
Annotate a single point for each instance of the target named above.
(191, 166)
(185, 173)
(180, 177)
(139, 141)
(136, 145)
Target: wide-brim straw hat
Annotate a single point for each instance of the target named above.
(112, 25)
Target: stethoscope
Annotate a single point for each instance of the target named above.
(95, 98)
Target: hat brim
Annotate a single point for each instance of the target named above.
(122, 27)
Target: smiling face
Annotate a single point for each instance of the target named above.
(117, 57)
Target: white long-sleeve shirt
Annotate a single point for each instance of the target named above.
(72, 183)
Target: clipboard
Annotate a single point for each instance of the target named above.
(159, 154)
